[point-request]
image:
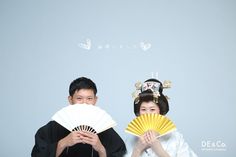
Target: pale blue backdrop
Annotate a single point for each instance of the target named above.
(45, 44)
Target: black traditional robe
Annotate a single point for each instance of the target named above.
(47, 137)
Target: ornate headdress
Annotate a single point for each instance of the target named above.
(150, 85)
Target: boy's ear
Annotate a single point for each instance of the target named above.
(70, 99)
(96, 99)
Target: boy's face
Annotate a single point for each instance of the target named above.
(83, 96)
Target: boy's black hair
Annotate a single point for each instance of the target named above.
(82, 83)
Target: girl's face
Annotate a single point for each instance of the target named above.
(149, 107)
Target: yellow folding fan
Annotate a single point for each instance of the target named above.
(161, 124)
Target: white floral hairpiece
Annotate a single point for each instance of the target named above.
(167, 84)
(153, 86)
(136, 93)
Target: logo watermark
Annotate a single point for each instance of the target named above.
(210, 145)
(88, 45)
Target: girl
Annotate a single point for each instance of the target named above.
(150, 99)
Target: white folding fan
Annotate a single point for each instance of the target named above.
(84, 117)
(145, 122)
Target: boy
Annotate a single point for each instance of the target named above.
(53, 140)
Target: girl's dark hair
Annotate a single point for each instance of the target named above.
(147, 96)
(82, 83)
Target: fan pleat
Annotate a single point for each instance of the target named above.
(145, 122)
(84, 117)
